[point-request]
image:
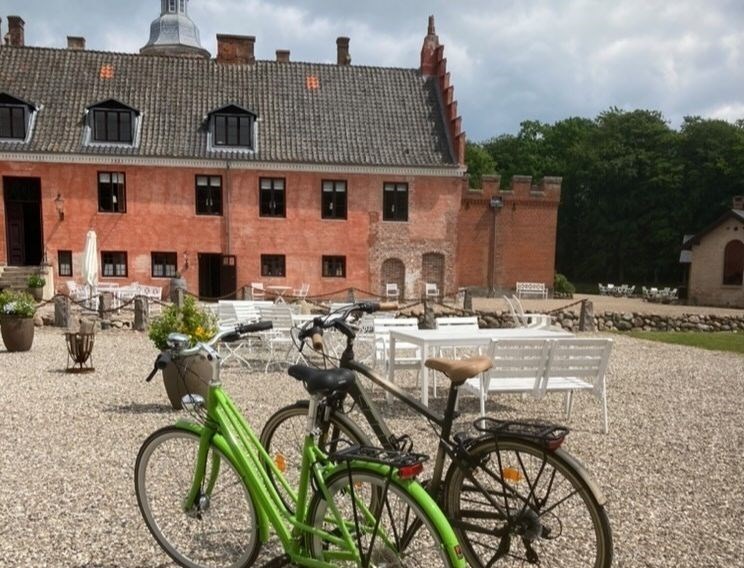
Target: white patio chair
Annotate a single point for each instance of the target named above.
(431, 290)
(391, 291)
(279, 338)
(576, 365)
(302, 291)
(518, 367)
(407, 355)
(227, 318)
(257, 291)
(522, 319)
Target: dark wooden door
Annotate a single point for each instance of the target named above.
(209, 276)
(228, 277)
(14, 220)
(24, 232)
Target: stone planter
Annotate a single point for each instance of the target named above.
(190, 375)
(18, 333)
(37, 293)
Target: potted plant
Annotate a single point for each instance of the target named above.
(36, 283)
(188, 374)
(17, 320)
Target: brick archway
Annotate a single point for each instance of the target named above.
(432, 270)
(393, 271)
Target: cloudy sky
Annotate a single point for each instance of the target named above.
(510, 60)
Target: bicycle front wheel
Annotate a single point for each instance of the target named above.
(514, 504)
(389, 526)
(221, 529)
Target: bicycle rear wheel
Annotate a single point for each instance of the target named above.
(283, 436)
(221, 530)
(396, 531)
(521, 505)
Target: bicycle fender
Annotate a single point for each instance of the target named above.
(584, 474)
(222, 445)
(423, 499)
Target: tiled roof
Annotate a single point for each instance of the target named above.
(357, 115)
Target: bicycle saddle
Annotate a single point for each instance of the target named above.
(322, 381)
(459, 371)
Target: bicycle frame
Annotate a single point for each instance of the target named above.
(226, 429)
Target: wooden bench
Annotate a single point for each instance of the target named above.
(540, 366)
(531, 289)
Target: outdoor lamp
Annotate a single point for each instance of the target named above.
(59, 203)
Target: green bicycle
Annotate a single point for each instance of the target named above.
(204, 490)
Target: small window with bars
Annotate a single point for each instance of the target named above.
(272, 198)
(395, 202)
(334, 266)
(164, 264)
(333, 199)
(114, 264)
(112, 197)
(273, 265)
(209, 195)
(64, 262)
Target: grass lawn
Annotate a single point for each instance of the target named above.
(715, 341)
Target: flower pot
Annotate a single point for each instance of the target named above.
(189, 375)
(18, 333)
(37, 293)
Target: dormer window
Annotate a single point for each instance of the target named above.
(15, 118)
(232, 127)
(112, 122)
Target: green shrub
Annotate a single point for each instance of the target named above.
(36, 281)
(561, 285)
(18, 304)
(190, 319)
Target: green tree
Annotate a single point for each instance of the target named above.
(479, 163)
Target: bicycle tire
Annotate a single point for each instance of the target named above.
(497, 540)
(289, 445)
(416, 542)
(163, 476)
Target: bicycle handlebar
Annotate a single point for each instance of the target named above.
(314, 328)
(166, 356)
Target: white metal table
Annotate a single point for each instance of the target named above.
(448, 337)
(279, 292)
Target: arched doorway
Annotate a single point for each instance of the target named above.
(432, 270)
(733, 263)
(393, 272)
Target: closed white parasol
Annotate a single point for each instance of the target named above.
(90, 262)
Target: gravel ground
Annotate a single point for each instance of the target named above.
(670, 466)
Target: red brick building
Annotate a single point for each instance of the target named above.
(232, 170)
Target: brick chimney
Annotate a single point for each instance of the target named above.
(282, 56)
(738, 201)
(15, 36)
(342, 51)
(75, 42)
(235, 49)
(429, 61)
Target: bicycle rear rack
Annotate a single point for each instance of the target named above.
(392, 458)
(549, 436)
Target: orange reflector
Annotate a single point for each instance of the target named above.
(280, 462)
(410, 471)
(511, 474)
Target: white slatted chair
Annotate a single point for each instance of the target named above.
(518, 367)
(576, 365)
(523, 319)
(431, 290)
(464, 323)
(257, 291)
(391, 291)
(227, 318)
(301, 292)
(279, 338)
(407, 355)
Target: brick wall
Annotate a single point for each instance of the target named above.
(161, 217)
(706, 271)
(522, 229)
